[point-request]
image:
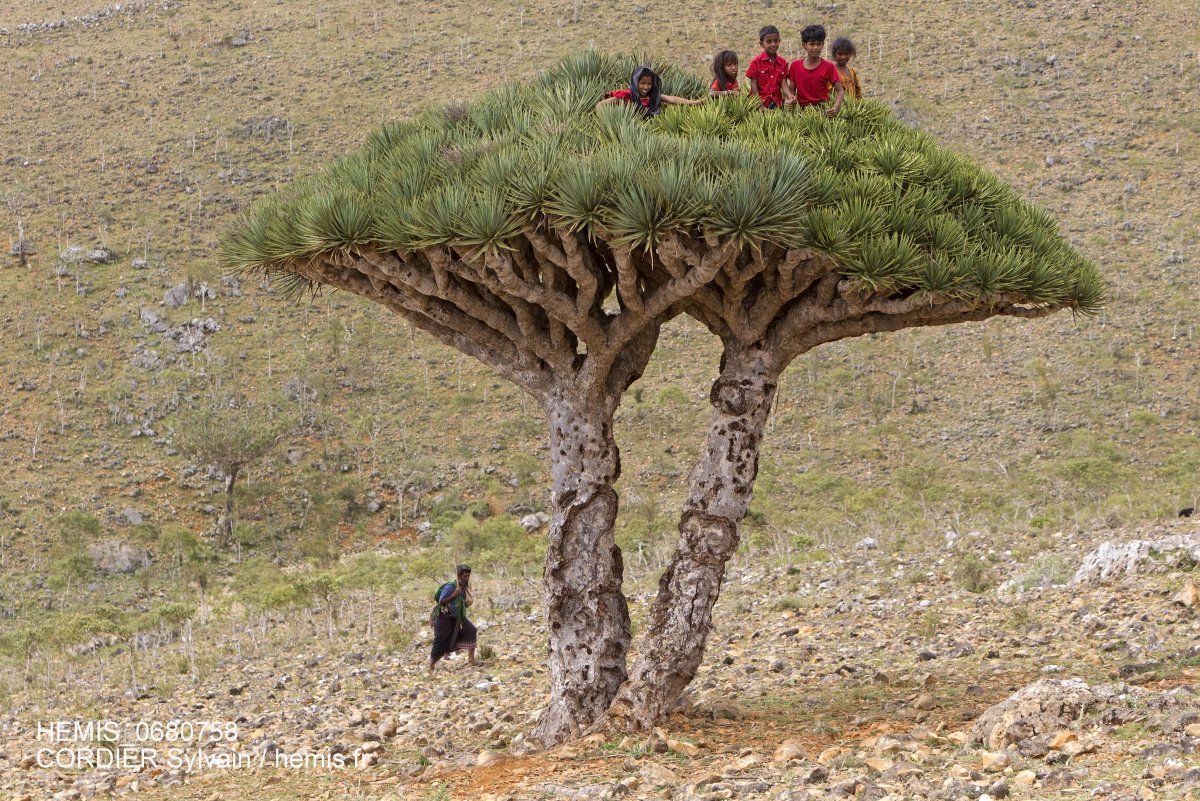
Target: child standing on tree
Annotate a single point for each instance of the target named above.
(809, 78)
(843, 50)
(725, 72)
(645, 92)
(768, 70)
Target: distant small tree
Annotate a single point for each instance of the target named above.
(229, 436)
(176, 616)
(21, 643)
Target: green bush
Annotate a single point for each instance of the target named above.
(69, 569)
(496, 542)
(396, 638)
(972, 574)
(76, 527)
(428, 565)
(262, 585)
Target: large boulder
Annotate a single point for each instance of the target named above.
(1114, 560)
(112, 558)
(1045, 706)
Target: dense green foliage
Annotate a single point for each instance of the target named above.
(892, 208)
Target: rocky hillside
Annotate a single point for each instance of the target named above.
(865, 674)
(983, 462)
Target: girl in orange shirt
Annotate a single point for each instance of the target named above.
(843, 50)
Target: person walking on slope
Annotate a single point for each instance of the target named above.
(451, 629)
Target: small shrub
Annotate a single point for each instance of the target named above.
(1019, 618)
(485, 652)
(1045, 571)
(396, 638)
(789, 602)
(77, 527)
(671, 395)
(930, 623)
(972, 574)
(428, 565)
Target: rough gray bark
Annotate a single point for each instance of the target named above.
(585, 608)
(719, 492)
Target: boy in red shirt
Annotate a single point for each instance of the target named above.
(768, 70)
(809, 78)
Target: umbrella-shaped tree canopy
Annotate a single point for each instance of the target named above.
(895, 211)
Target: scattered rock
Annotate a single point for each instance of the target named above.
(177, 296)
(535, 521)
(995, 761)
(683, 747)
(487, 758)
(1188, 596)
(80, 255)
(789, 750)
(727, 710)
(1025, 778)
(192, 336)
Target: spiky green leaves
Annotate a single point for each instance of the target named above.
(890, 207)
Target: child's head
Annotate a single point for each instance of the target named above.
(768, 37)
(645, 83)
(813, 33)
(813, 38)
(842, 50)
(725, 68)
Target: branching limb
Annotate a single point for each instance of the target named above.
(629, 290)
(703, 268)
(443, 320)
(792, 341)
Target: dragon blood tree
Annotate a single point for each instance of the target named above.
(551, 242)
(883, 230)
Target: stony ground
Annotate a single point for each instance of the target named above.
(140, 130)
(869, 675)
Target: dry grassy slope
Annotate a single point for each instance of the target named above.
(134, 133)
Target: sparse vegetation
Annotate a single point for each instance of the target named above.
(911, 434)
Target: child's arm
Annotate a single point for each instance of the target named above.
(753, 86)
(608, 101)
(837, 102)
(789, 92)
(679, 101)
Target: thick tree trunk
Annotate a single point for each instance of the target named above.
(586, 612)
(719, 493)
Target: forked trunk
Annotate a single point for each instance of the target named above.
(587, 616)
(719, 493)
